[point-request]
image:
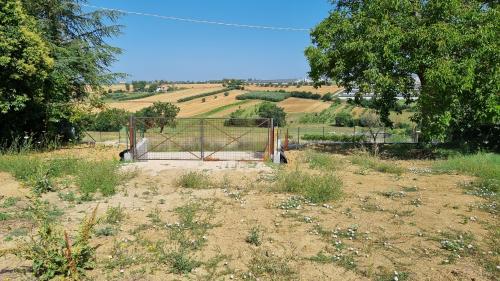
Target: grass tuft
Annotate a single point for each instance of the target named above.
(194, 180)
(315, 188)
(322, 161)
(371, 162)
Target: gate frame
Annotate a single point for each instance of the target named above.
(268, 152)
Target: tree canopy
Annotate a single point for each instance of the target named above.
(443, 52)
(52, 53)
(271, 110)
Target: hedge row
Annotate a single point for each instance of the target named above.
(267, 96)
(333, 137)
(202, 95)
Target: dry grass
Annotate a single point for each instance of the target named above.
(417, 225)
(296, 105)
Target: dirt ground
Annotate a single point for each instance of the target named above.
(385, 227)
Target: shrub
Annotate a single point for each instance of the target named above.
(100, 176)
(109, 120)
(305, 95)
(271, 110)
(226, 94)
(315, 188)
(344, 119)
(203, 100)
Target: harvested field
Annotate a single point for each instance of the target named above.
(297, 105)
(196, 107)
(135, 105)
(322, 90)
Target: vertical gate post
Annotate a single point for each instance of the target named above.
(298, 135)
(202, 140)
(131, 131)
(271, 138)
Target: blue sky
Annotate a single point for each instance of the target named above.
(154, 48)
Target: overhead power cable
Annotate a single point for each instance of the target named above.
(200, 21)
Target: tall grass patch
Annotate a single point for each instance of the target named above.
(194, 180)
(315, 188)
(323, 161)
(374, 163)
(485, 166)
(41, 174)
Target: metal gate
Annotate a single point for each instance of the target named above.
(206, 139)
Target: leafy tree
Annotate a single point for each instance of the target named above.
(110, 120)
(380, 46)
(152, 87)
(127, 87)
(160, 114)
(25, 64)
(74, 39)
(139, 86)
(271, 110)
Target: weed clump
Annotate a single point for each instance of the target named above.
(322, 161)
(254, 237)
(51, 251)
(371, 162)
(194, 180)
(315, 188)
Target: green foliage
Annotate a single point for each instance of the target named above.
(345, 119)
(52, 253)
(451, 46)
(25, 65)
(195, 180)
(267, 96)
(162, 113)
(201, 95)
(139, 86)
(315, 188)
(109, 120)
(371, 162)
(90, 176)
(114, 215)
(271, 110)
(125, 97)
(322, 161)
(181, 263)
(334, 137)
(254, 237)
(50, 102)
(485, 166)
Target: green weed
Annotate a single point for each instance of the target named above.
(371, 162)
(181, 263)
(315, 188)
(194, 180)
(322, 161)
(268, 267)
(254, 237)
(10, 202)
(115, 215)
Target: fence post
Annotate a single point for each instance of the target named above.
(100, 136)
(384, 134)
(298, 135)
(354, 134)
(119, 136)
(323, 132)
(202, 140)
(131, 132)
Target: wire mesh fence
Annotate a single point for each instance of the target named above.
(116, 137)
(325, 134)
(208, 139)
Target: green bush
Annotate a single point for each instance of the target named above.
(271, 110)
(315, 188)
(345, 119)
(109, 120)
